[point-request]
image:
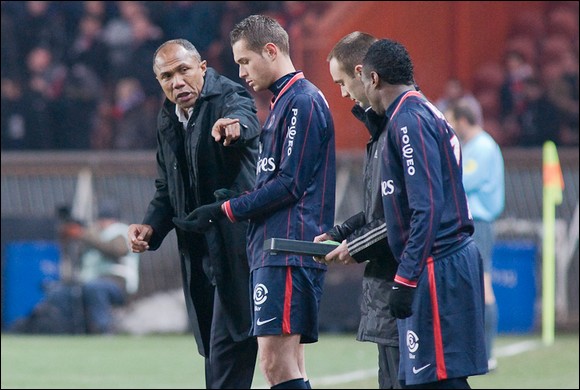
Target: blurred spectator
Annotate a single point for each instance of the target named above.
(563, 94)
(132, 120)
(454, 90)
(197, 21)
(539, 121)
(111, 40)
(109, 271)
(82, 91)
(146, 37)
(219, 53)
(10, 50)
(45, 26)
(45, 79)
(512, 102)
(118, 36)
(14, 114)
(88, 47)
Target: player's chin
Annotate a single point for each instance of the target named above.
(255, 87)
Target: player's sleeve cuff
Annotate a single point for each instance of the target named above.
(227, 209)
(406, 282)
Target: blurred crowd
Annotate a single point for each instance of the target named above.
(532, 95)
(78, 75)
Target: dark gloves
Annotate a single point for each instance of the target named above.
(340, 232)
(200, 219)
(400, 300)
(224, 194)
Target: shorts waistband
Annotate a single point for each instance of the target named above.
(454, 249)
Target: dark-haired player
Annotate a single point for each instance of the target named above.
(438, 293)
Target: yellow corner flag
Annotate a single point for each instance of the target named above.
(553, 186)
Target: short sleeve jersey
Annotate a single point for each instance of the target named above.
(483, 177)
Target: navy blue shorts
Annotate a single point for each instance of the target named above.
(445, 337)
(287, 301)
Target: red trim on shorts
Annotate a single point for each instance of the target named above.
(286, 329)
(437, 338)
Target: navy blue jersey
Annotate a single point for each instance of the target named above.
(422, 190)
(294, 196)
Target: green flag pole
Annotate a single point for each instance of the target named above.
(552, 196)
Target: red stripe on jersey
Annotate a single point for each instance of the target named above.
(287, 302)
(297, 76)
(405, 96)
(438, 339)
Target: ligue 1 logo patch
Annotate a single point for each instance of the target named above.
(260, 294)
(412, 341)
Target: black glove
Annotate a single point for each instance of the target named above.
(400, 300)
(224, 194)
(340, 232)
(200, 219)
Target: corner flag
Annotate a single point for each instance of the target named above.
(552, 193)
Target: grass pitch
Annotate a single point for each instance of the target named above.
(172, 362)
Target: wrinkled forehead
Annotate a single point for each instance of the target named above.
(174, 55)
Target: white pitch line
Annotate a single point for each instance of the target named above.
(507, 350)
(345, 378)
(341, 378)
(517, 348)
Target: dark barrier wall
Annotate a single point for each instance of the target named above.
(34, 184)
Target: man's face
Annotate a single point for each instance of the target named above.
(255, 68)
(180, 75)
(350, 87)
(370, 86)
(457, 125)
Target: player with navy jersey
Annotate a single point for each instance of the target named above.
(295, 173)
(294, 198)
(438, 292)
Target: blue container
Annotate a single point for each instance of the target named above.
(29, 267)
(514, 285)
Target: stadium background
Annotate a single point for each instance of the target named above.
(446, 39)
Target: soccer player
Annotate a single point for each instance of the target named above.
(294, 198)
(438, 291)
(363, 236)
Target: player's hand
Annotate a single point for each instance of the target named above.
(340, 255)
(400, 300)
(200, 219)
(226, 129)
(139, 236)
(321, 238)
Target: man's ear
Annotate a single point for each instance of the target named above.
(271, 50)
(203, 65)
(357, 71)
(375, 79)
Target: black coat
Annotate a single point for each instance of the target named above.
(366, 236)
(191, 166)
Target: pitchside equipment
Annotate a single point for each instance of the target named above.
(308, 248)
